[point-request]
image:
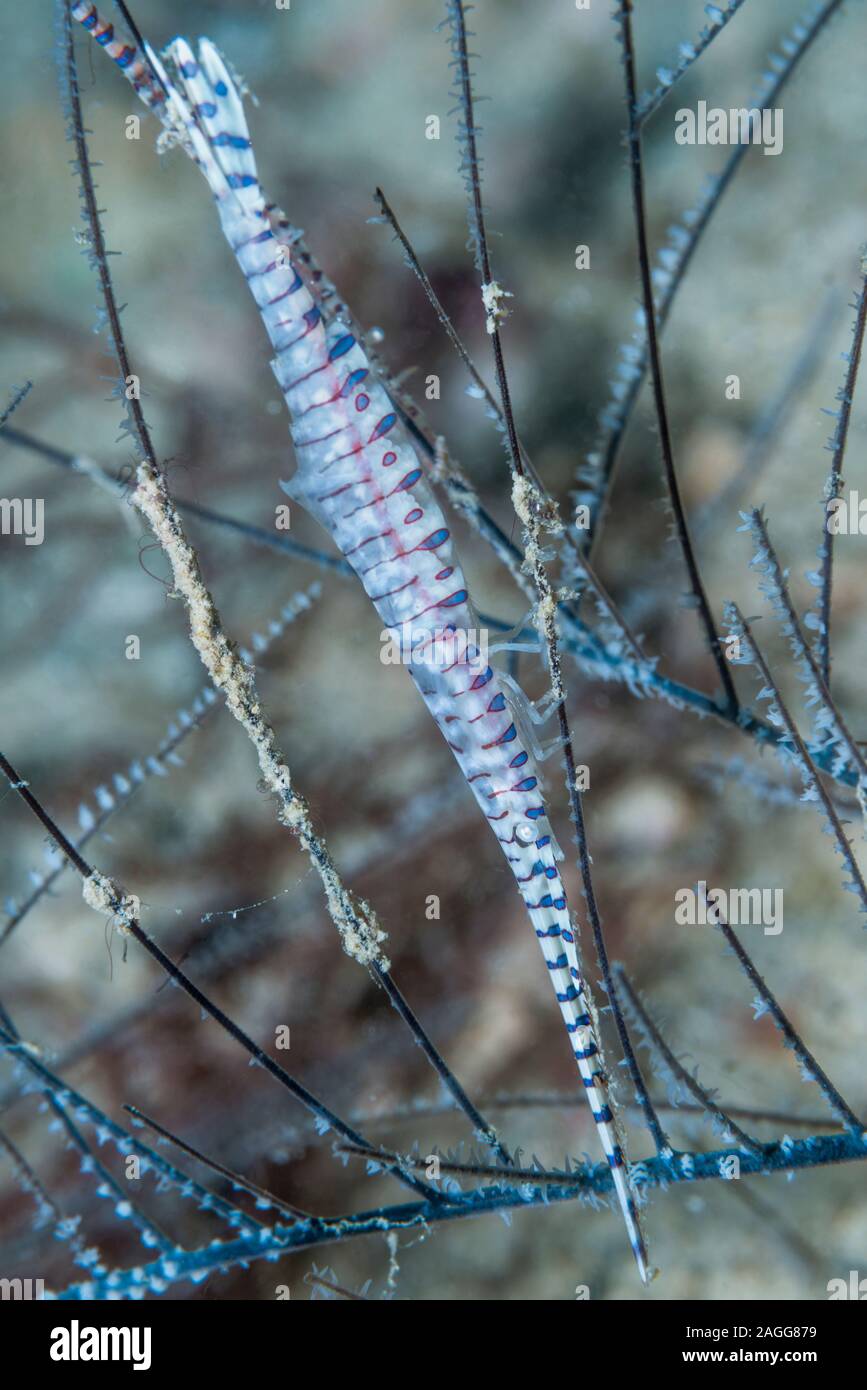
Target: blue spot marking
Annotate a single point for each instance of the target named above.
(518, 760)
(241, 180)
(352, 380)
(312, 317)
(453, 599)
(498, 703)
(235, 142)
(527, 785)
(207, 109)
(221, 89)
(105, 37)
(507, 737)
(436, 539)
(341, 346)
(189, 69)
(383, 427)
(124, 58)
(483, 679)
(535, 811)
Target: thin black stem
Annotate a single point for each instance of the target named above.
(534, 504)
(794, 1043)
(679, 1072)
(145, 1224)
(569, 1100)
(99, 822)
(636, 169)
(236, 1179)
(474, 1170)
(18, 785)
(273, 540)
(808, 768)
(97, 245)
(651, 1118)
(320, 1283)
(17, 397)
(477, 223)
(542, 581)
(652, 101)
(483, 1129)
(28, 1178)
(835, 479)
(805, 35)
(803, 650)
(446, 324)
(124, 1140)
(134, 929)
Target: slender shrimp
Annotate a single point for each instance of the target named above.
(358, 474)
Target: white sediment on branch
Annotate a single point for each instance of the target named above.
(356, 922)
(495, 310)
(463, 497)
(529, 505)
(104, 895)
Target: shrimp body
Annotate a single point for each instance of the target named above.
(358, 474)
